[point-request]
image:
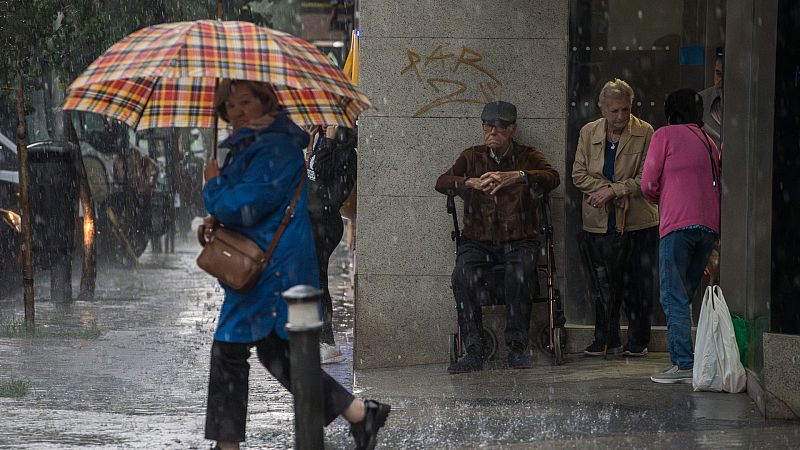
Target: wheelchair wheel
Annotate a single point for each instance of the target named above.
(489, 343)
(453, 348)
(544, 339)
(558, 356)
(559, 342)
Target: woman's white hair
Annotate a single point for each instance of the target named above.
(615, 88)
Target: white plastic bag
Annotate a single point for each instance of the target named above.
(716, 356)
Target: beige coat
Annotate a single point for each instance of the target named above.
(587, 175)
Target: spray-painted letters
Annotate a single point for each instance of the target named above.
(454, 86)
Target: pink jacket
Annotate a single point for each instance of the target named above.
(679, 177)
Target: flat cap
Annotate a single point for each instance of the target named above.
(499, 110)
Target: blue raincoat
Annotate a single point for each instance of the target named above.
(250, 196)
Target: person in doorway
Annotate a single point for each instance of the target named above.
(681, 174)
(712, 101)
(332, 167)
(496, 181)
(250, 194)
(712, 125)
(620, 226)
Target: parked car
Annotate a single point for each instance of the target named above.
(9, 190)
(53, 200)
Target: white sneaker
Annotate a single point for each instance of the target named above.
(330, 354)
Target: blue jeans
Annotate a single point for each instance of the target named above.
(682, 256)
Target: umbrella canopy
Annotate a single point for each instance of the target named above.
(166, 75)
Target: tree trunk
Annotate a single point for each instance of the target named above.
(25, 211)
(89, 266)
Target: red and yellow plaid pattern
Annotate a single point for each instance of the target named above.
(164, 76)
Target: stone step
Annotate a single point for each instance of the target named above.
(578, 336)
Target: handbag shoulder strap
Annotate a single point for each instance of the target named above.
(287, 217)
(714, 168)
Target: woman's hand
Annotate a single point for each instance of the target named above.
(600, 197)
(330, 132)
(211, 170)
(623, 202)
(204, 230)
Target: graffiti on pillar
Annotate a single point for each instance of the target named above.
(449, 77)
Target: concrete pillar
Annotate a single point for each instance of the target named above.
(429, 66)
(747, 164)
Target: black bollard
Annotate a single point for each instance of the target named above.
(304, 326)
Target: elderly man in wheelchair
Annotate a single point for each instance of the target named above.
(496, 181)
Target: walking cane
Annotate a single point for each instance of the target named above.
(624, 215)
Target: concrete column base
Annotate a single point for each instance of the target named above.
(777, 391)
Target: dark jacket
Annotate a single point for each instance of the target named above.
(250, 196)
(332, 173)
(511, 214)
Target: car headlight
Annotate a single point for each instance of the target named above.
(12, 219)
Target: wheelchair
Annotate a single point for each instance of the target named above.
(552, 337)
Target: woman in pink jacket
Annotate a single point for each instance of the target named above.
(681, 175)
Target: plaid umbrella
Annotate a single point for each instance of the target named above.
(165, 76)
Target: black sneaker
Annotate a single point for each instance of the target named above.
(597, 349)
(634, 350)
(471, 363)
(365, 433)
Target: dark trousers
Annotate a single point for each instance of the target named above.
(226, 413)
(472, 272)
(328, 230)
(625, 268)
(640, 284)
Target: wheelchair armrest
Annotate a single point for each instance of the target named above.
(451, 204)
(455, 235)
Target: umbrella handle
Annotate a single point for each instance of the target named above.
(214, 139)
(216, 125)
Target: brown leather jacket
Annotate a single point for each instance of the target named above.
(511, 214)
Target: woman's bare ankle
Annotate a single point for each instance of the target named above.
(355, 412)
(222, 445)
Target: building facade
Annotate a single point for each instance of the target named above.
(429, 67)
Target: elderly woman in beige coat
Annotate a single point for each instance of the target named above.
(620, 227)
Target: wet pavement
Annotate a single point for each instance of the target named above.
(129, 370)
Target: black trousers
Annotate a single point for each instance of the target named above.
(624, 268)
(328, 230)
(473, 269)
(640, 284)
(228, 385)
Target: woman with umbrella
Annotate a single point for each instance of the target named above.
(179, 75)
(249, 194)
(620, 225)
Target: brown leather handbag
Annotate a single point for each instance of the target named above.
(234, 258)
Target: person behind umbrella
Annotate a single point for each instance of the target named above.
(681, 174)
(496, 180)
(620, 225)
(332, 167)
(250, 194)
